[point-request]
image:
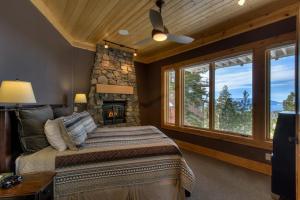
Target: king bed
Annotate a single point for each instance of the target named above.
(115, 163)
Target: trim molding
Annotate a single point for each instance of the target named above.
(226, 157)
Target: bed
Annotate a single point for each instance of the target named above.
(116, 163)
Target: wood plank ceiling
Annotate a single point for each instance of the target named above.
(90, 22)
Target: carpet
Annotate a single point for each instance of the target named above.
(217, 180)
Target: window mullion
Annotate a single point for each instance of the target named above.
(211, 95)
(178, 97)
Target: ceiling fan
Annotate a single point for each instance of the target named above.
(160, 32)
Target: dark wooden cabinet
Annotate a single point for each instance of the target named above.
(35, 186)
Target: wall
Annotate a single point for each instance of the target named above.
(32, 50)
(152, 110)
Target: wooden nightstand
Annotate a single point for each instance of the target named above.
(35, 186)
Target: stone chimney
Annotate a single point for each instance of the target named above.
(113, 67)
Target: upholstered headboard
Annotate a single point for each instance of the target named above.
(10, 147)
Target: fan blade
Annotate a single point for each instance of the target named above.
(182, 39)
(143, 42)
(156, 20)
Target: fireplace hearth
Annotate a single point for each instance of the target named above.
(114, 112)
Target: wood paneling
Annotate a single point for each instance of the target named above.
(229, 158)
(114, 89)
(85, 23)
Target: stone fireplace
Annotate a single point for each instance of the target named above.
(113, 112)
(113, 99)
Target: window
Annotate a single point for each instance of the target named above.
(196, 96)
(282, 83)
(170, 97)
(233, 95)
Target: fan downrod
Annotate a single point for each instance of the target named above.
(160, 3)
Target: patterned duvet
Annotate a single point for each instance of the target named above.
(123, 163)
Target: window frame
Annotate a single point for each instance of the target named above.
(182, 96)
(252, 74)
(258, 139)
(268, 83)
(166, 97)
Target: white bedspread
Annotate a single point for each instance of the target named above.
(43, 160)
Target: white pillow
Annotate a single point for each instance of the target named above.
(53, 134)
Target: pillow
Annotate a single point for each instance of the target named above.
(87, 121)
(73, 132)
(31, 127)
(53, 134)
(61, 112)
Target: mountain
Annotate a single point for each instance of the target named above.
(275, 105)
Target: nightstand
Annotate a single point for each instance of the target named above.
(35, 186)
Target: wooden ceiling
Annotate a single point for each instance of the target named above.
(85, 23)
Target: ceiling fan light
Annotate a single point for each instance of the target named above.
(159, 35)
(241, 2)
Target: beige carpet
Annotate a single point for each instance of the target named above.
(216, 180)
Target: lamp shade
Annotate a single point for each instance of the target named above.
(16, 92)
(80, 98)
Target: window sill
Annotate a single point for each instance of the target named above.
(249, 141)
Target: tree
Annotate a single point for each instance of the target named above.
(226, 111)
(233, 115)
(245, 124)
(289, 103)
(195, 99)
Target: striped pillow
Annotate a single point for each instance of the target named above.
(73, 132)
(87, 121)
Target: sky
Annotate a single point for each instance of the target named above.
(239, 78)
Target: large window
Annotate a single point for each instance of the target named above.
(170, 96)
(282, 83)
(196, 96)
(233, 94)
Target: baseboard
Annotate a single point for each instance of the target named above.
(226, 157)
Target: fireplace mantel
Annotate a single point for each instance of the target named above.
(114, 89)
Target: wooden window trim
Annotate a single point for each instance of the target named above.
(259, 137)
(268, 81)
(165, 98)
(251, 51)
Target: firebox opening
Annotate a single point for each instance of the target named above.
(114, 112)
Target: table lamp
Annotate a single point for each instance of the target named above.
(16, 92)
(80, 98)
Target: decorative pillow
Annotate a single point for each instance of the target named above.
(87, 121)
(61, 111)
(53, 134)
(31, 127)
(73, 132)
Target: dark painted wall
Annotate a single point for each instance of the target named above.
(141, 80)
(152, 93)
(32, 50)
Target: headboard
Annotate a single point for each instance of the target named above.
(10, 146)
